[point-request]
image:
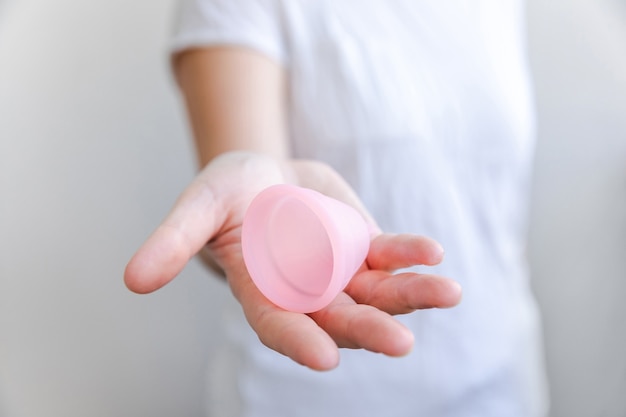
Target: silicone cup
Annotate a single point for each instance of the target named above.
(301, 248)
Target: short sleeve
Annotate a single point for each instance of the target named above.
(255, 24)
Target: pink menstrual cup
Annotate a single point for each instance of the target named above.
(301, 247)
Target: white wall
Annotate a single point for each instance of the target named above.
(94, 148)
(578, 233)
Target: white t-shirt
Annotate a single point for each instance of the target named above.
(424, 107)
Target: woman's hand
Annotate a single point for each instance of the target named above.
(208, 216)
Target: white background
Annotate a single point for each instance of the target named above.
(94, 148)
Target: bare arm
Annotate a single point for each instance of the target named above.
(235, 99)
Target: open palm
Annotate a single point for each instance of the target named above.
(208, 217)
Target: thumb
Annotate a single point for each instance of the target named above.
(223, 187)
(188, 227)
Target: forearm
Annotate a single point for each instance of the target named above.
(235, 100)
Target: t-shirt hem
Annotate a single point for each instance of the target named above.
(183, 43)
